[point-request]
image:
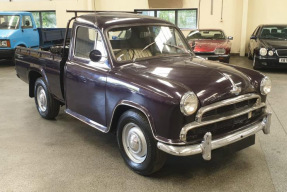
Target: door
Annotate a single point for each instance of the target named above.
(85, 81)
(30, 34)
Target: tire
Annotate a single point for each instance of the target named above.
(249, 55)
(141, 155)
(254, 63)
(47, 106)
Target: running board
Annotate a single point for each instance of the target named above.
(87, 121)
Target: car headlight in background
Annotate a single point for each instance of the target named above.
(219, 51)
(270, 53)
(265, 86)
(4, 43)
(263, 51)
(188, 103)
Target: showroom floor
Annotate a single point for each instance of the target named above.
(67, 155)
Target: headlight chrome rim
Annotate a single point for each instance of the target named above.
(265, 86)
(263, 51)
(183, 104)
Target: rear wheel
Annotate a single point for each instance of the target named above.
(47, 106)
(137, 144)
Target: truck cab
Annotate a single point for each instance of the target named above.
(17, 29)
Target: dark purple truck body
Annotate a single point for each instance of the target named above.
(98, 96)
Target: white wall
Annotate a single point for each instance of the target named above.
(259, 12)
(231, 18)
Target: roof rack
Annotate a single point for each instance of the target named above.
(90, 11)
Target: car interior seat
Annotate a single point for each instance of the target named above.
(265, 32)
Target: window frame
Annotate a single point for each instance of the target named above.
(176, 14)
(87, 61)
(41, 18)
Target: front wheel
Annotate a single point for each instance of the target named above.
(137, 144)
(254, 63)
(47, 106)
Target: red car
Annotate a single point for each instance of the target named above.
(211, 44)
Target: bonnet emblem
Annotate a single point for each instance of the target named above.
(235, 89)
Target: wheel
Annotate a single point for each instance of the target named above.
(254, 63)
(47, 106)
(137, 144)
(249, 55)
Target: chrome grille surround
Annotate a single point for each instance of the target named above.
(199, 122)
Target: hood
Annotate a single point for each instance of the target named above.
(209, 45)
(276, 44)
(6, 33)
(211, 82)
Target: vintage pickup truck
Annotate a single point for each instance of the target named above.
(135, 76)
(19, 29)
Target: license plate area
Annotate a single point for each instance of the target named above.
(282, 60)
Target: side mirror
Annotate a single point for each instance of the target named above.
(253, 37)
(95, 55)
(230, 38)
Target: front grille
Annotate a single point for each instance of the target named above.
(228, 108)
(282, 52)
(222, 127)
(225, 116)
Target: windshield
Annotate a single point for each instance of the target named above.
(274, 32)
(206, 34)
(130, 43)
(9, 22)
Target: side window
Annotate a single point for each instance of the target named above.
(88, 39)
(27, 22)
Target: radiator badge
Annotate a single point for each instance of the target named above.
(235, 89)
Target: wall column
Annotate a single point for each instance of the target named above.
(244, 27)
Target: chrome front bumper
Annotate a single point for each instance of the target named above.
(207, 144)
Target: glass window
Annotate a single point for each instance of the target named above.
(274, 32)
(147, 41)
(149, 13)
(187, 19)
(36, 16)
(183, 18)
(167, 15)
(49, 19)
(206, 34)
(9, 21)
(88, 39)
(45, 19)
(27, 22)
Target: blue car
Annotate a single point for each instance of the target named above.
(19, 29)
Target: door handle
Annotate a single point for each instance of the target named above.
(34, 29)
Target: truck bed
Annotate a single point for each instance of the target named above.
(31, 64)
(51, 36)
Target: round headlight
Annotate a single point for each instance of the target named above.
(188, 103)
(265, 86)
(270, 53)
(263, 51)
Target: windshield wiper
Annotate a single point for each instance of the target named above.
(184, 50)
(134, 58)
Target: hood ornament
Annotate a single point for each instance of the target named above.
(235, 89)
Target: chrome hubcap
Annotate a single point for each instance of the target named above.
(134, 143)
(41, 98)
